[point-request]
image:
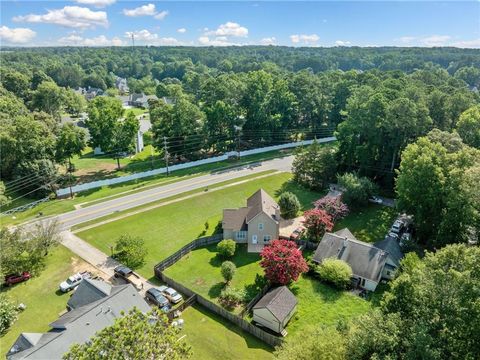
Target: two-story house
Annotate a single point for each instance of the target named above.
(256, 224)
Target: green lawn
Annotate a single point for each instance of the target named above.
(60, 206)
(321, 304)
(213, 337)
(168, 228)
(41, 296)
(200, 272)
(369, 224)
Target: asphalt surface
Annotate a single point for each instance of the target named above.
(75, 217)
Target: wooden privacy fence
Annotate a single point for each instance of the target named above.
(270, 339)
(172, 259)
(252, 302)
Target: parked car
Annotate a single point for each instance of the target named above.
(156, 297)
(17, 278)
(296, 234)
(171, 294)
(397, 226)
(128, 275)
(375, 200)
(393, 235)
(73, 281)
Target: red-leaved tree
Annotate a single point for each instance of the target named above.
(282, 262)
(333, 206)
(316, 222)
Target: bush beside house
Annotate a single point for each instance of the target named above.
(335, 272)
(289, 205)
(226, 248)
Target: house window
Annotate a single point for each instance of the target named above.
(241, 235)
(260, 226)
(362, 282)
(389, 273)
(267, 238)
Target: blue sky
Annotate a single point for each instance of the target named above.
(291, 23)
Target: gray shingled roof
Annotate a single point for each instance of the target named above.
(366, 260)
(279, 301)
(81, 324)
(261, 201)
(345, 233)
(89, 291)
(237, 219)
(234, 219)
(391, 246)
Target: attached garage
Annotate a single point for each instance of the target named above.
(275, 309)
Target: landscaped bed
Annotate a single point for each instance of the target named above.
(168, 228)
(200, 272)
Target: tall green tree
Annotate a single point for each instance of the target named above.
(71, 140)
(134, 336)
(468, 126)
(48, 97)
(123, 140)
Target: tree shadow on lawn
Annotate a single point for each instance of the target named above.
(304, 195)
(251, 290)
(216, 289)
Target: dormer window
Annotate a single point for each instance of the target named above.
(260, 226)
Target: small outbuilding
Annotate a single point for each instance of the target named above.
(275, 309)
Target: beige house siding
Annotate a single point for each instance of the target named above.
(270, 228)
(228, 234)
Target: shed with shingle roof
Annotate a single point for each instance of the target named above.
(275, 309)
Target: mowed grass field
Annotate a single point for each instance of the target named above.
(41, 296)
(168, 228)
(213, 337)
(369, 224)
(321, 304)
(200, 271)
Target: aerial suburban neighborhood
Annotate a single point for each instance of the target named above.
(239, 180)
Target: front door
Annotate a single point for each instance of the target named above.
(254, 239)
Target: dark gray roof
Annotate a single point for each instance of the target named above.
(234, 219)
(79, 325)
(89, 291)
(261, 202)
(391, 246)
(279, 301)
(366, 260)
(345, 233)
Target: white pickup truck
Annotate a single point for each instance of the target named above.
(129, 276)
(73, 281)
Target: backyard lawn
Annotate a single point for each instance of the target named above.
(320, 304)
(168, 228)
(369, 224)
(213, 337)
(41, 296)
(200, 272)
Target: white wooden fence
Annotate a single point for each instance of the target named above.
(139, 175)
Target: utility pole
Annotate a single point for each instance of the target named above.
(238, 130)
(165, 150)
(151, 156)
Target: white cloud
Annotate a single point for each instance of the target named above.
(96, 3)
(148, 38)
(474, 44)
(182, 30)
(311, 39)
(102, 40)
(229, 29)
(436, 40)
(342, 43)
(161, 15)
(407, 39)
(216, 41)
(144, 10)
(16, 35)
(268, 41)
(69, 16)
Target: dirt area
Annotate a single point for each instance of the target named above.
(79, 266)
(287, 226)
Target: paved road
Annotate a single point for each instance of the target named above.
(75, 217)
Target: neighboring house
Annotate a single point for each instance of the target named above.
(275, 309)
(94, 306)
(256, 224)
(370, 263)
(141, 100)
(121, 84)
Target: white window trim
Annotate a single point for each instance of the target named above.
(260, 226)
